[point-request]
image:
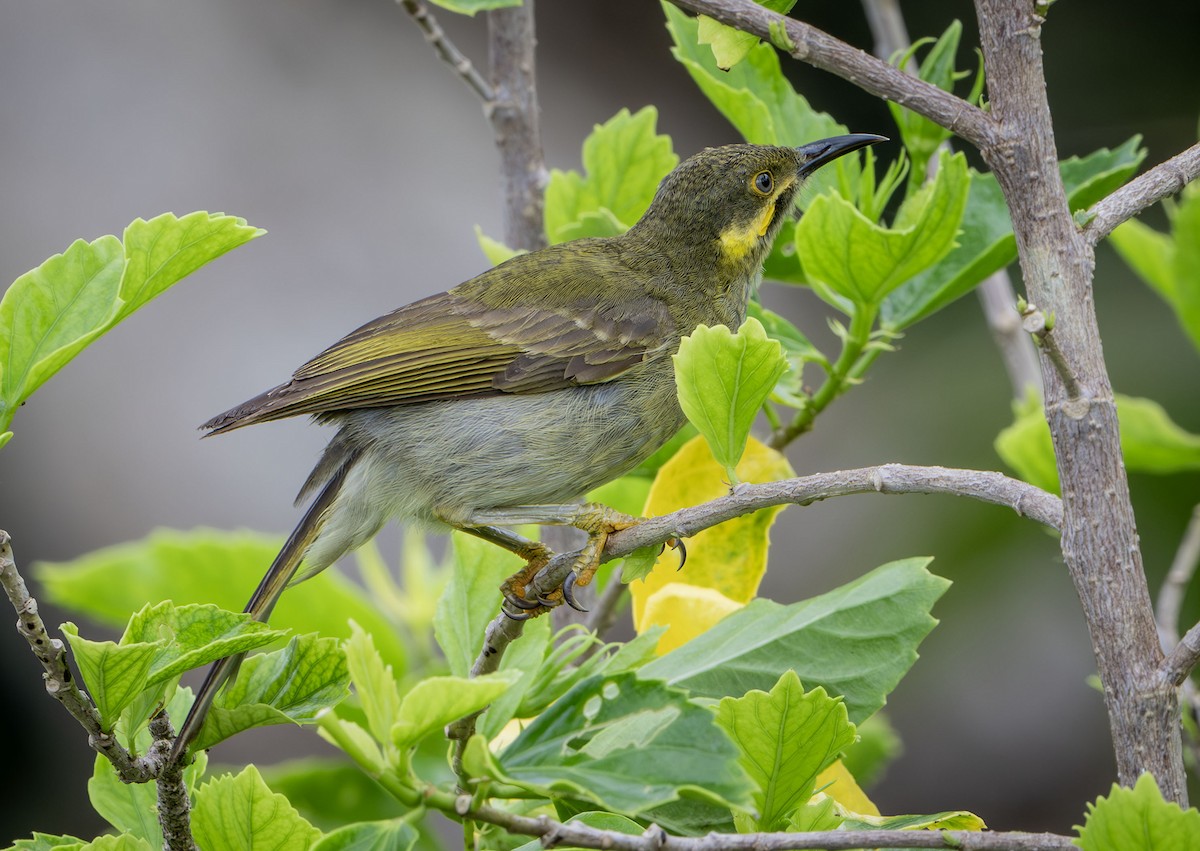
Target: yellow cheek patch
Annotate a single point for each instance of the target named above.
(738, 240)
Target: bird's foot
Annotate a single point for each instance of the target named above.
(533, 590)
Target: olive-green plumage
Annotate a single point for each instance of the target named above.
(535, 382)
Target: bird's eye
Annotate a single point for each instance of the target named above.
(764, 183)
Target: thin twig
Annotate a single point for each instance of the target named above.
(446, 50)
(818, 48)
(60, 683)
(998, 299)
(1164, 179)
(996, 488)
(1174, 587)
(577, 834)
(1182, 658)
(1038, 324)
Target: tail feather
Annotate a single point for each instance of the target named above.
(262, 602)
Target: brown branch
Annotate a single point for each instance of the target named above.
(60, 682)
(1099, 536)
(996, 488)
(576, 834)
(513, 112)
(818, 48)
(1182, 659)
(1164, 179)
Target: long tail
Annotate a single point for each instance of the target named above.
(273, 583)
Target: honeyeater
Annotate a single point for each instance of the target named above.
(509, 396)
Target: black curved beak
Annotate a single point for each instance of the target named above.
(817, 154)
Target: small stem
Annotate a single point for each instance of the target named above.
(839, 377)
(447, 51)
(60, 682)
(1174, 587)
(1164, 179)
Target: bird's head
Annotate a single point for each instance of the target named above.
(735, 198)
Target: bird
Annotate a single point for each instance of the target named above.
(506, 398)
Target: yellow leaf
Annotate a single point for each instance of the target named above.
(730, 558)
(839, 784)
(686, 610)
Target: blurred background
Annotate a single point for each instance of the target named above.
(331, 124)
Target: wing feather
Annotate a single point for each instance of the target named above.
(481, 338)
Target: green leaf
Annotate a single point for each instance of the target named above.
(288, 685)
(194, 635)
(1138, 819)
(122, 842)
(49, 314)
(470, 7)
(786, 738)
(921, 136)
(307, 782)
(1150, 441)
(986, 243)
(1169, 264)
(47, 842)
(166, 249)
(820, 814)
(114, 673)
(730, 46)
(436, 701)
(625, 160)
(860, 260)
(760, 103)
(395, 835)
(628, 745)
(723, 379)
(234, 813)
(208, 566)
(471, 599)
(949, 820)
(374, 683)
(494, 250)
(857, 641)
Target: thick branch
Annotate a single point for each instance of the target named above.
(1099, 536)
(514, 116)
(1152, 186)
(818, 48)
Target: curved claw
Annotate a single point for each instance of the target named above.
(568, 591)
(678, 545)
(549, 604)
(517, 616)
(521, 603)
